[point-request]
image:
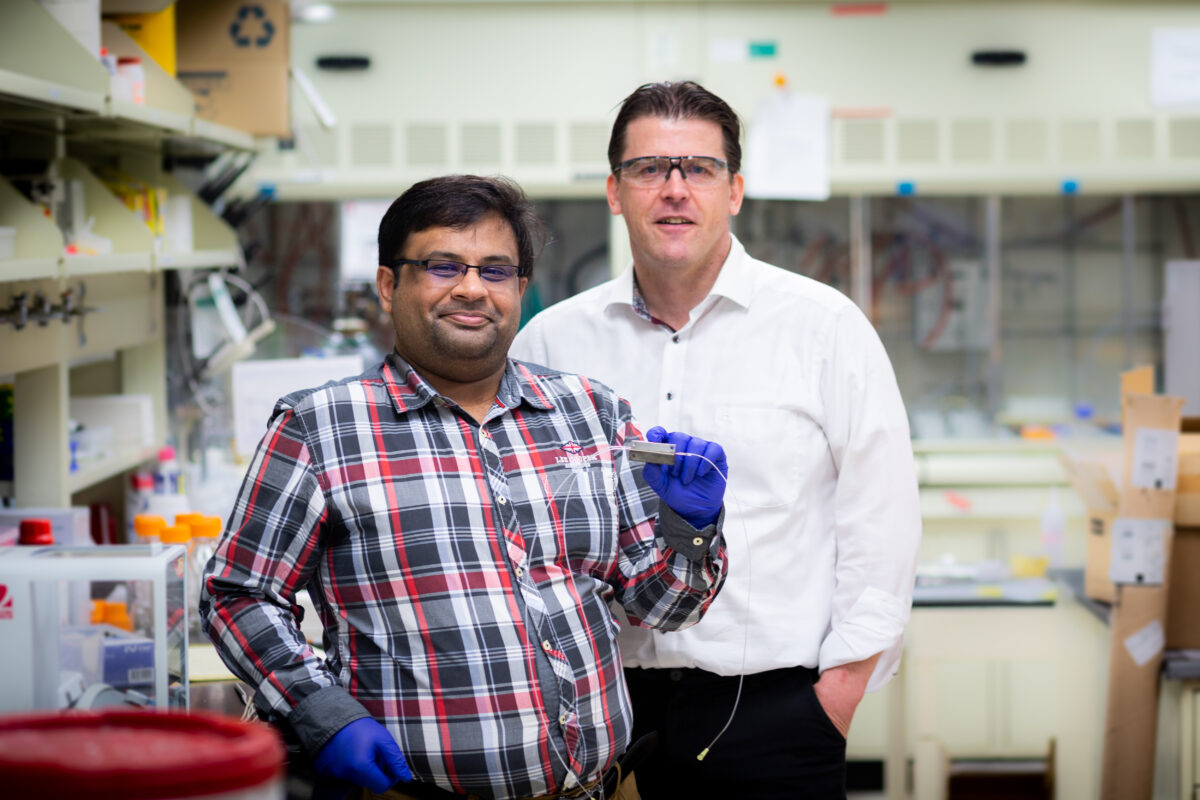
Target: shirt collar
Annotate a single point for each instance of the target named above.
(408, 390)
(734, 282)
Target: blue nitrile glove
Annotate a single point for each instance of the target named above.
(690, 486)
(365, 754)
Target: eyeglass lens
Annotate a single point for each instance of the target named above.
(653, 170)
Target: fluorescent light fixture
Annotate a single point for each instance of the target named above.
(314, 12)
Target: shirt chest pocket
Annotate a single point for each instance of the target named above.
(763, 446)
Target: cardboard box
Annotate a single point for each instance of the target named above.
(1183, 591)
(1146, 496)
(1093, 476)
(1187, 498)
(234, 57)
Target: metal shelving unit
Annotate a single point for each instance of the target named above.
(55, 101)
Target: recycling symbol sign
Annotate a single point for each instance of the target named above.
(251, 27)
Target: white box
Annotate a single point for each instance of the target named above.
(131, 417)
(8, 245)
(69, 525)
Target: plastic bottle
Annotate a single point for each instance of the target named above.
(109, 61)
(137, 500)
(205, 533)
(131, 71)
(166, 473)
(148, 528)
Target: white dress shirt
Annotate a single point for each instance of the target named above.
(822, 515)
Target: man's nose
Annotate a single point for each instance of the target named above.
(471, 285)
(675, 185)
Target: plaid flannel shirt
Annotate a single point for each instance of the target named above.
(462, 573)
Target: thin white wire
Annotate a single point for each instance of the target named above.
(745, 627)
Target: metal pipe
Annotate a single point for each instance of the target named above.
(1128, 242)
(991, 243)
(860, 253)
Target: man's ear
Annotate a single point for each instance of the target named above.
(385, 283)
(614, 199)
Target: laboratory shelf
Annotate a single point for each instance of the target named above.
(222, 136)
(92, 473)
(198, 259)
(25, 269)
(41, 63)
(78, 266)
(156, 120)
(169, 104)
(132, 241)
(29, 90)
(38, 246)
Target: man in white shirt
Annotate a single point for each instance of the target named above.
(824, 522)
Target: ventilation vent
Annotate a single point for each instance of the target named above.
(535, 143)
(1185, 138)
(1135, 138)
(916, 141)
(1025, 140)
(480, 144)
(972, 140)
(862, 141)
(588, 143)
(320, 143)
(426, 145)
(371, 145)
(1079, 140)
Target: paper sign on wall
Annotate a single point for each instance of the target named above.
(1155, 458)
(787, 148)
(1146, 643)
(1175, 67)
(1139, 550)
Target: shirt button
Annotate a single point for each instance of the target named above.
(563, 718)
(698, 541)
(669, 395)
(501, 500)
(675, 339)
(520, 572)
(547, 646)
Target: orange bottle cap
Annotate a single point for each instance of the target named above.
(209, 527)
(176, 534)
(148, 524)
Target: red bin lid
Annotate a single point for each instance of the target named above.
(134, 755)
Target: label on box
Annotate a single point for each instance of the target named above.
(1146, 643)
(1155, 458)
(1139, 550)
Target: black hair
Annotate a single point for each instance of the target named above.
(457, 201)
(677, 100)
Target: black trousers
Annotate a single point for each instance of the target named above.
(780, 746)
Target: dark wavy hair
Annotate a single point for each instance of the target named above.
(457, 201)
(677, 100)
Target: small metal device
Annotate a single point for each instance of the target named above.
(652, 452)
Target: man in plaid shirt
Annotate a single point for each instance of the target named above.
(461, 521)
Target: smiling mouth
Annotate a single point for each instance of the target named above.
(675, 221)
(471, 319)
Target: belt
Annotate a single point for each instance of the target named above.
(603, 786)
(690, 676)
